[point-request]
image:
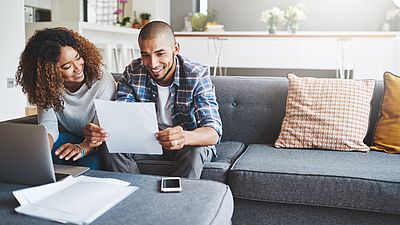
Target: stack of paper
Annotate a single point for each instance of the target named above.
(77, 200)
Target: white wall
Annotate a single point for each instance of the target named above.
(323, 15)
(159, 9)
(67, 10)
(43, 4)
(179, 9)
(12, 41)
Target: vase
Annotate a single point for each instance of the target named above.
(136, 25)
(271, 29)
(293, 27)
(144, 22)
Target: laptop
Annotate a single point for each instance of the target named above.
(25, 156)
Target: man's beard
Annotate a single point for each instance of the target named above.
(170, 68)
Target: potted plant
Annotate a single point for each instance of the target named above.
(120, 11)
(212, 17)
(145, 18)
(135, 23)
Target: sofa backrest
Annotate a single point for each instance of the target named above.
(252, 108)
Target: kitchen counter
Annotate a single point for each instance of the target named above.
(301, 34)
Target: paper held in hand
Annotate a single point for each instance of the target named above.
(131, 126)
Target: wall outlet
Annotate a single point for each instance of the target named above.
(10, 82)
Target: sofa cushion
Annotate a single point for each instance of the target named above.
(216, 170)
(351, 180)
(262, 213)
(326, 114)
(387, 131)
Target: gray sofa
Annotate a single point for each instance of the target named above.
(292, 186)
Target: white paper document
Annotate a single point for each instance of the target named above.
(131, 127)
(78, 200)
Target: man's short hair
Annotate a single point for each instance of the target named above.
(155, 29)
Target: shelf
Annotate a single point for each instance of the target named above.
(109, 28)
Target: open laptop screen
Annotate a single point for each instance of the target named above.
(25, 155)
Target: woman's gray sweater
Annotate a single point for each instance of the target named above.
(78, 107)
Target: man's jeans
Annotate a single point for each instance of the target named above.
(189, 161)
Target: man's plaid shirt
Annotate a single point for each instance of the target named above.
(195, 104)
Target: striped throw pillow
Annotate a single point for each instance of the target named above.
(326, 114)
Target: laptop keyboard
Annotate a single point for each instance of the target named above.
(60, 176)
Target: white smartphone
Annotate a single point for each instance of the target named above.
(171, 184)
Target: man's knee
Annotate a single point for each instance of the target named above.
(120, 162)
(190, 162)
(196, 153)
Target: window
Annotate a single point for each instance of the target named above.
(203, 6)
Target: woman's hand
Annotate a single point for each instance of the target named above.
(68, 151)
(94, 135)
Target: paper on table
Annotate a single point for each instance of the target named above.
(76, 200)
(34, 194)
(131, 126)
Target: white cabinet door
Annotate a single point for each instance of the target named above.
(195, 49)
(287, 53)
(260, 53)
(373, 57)
(368, 58)
(317, 54)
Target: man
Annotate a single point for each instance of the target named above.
(187, 110)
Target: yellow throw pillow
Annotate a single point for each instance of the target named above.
(326, 114)
(387, 130)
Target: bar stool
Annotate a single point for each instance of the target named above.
(217, 43)
(128, 53)
(112, 56)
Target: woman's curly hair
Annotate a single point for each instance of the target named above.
(38, 72)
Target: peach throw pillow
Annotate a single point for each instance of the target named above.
(387, 130)
(326, 114)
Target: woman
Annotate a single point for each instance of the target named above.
(61, 73)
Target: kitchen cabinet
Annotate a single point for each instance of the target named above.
(43, 4)
(366, 54)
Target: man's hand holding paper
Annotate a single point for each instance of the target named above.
(171, 138)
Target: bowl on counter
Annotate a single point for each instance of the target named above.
(214, 27)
